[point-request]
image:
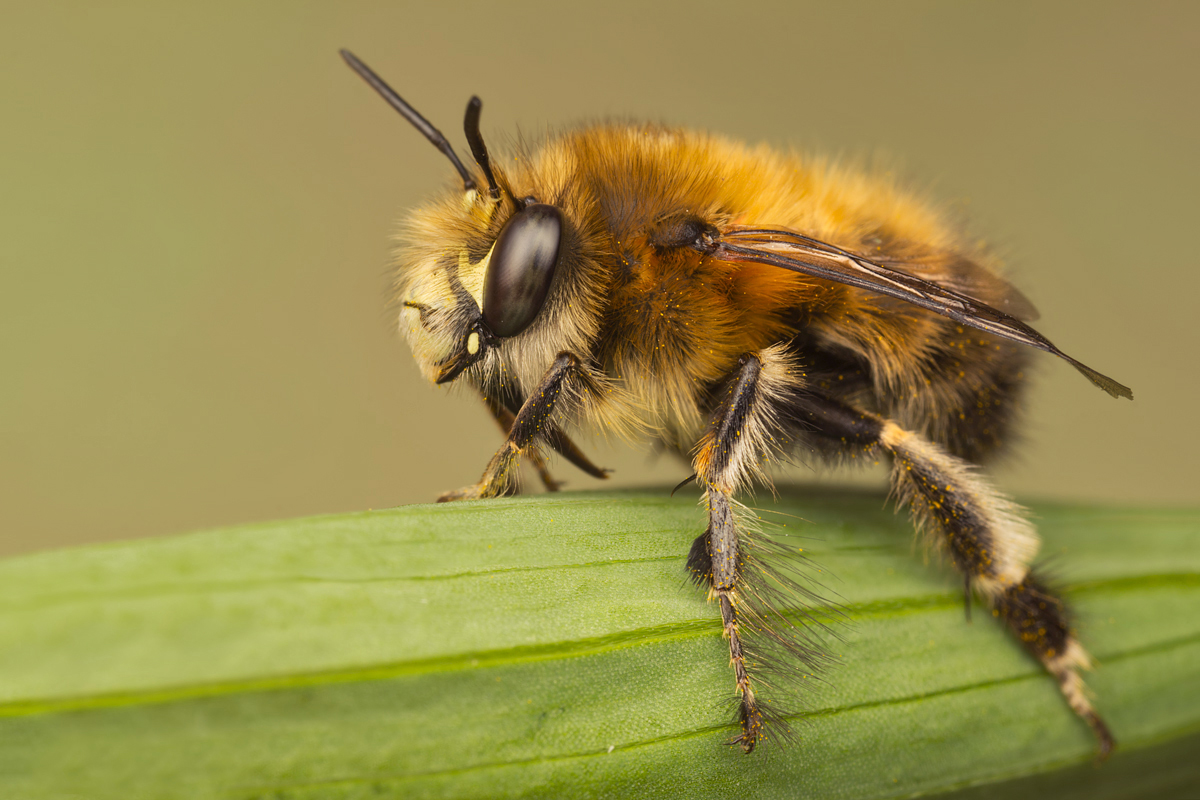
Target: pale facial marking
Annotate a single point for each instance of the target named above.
(471, 275)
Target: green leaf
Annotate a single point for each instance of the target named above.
(552, 647)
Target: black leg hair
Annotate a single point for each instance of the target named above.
(982, 531)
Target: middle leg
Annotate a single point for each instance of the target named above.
(763, 408)
(728, 559)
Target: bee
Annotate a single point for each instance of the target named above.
(737, 306)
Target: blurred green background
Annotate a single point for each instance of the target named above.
(195, 205)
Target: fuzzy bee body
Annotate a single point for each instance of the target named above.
(739, 306)
(662, 326)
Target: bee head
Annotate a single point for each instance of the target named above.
(457, 307)
(477, 268)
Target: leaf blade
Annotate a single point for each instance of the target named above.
(572, 633)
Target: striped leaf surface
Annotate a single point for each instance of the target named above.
(551, 647)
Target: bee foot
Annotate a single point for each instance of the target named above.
(479, 491)
(476, 492)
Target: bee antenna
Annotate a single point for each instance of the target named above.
(478, 148)
(410, 114)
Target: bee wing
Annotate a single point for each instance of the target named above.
(799, 253)
(968, 278)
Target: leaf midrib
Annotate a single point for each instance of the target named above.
(675, 631)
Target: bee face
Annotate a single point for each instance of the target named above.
(440, 285)
(484, 284)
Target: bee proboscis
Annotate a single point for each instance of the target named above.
(737, 305)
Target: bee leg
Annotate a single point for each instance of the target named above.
(531, 424)
(505, 419)
(716, 559)
(984, 533)
(730, 451)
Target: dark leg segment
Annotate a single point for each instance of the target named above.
(531, 424)
(505, 419)
(1039, 619)
(716, 462)
(505, 410)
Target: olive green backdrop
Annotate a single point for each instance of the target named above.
(195, 206)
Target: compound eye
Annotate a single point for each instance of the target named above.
(521, 269)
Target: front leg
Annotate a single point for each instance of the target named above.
(505, 411)
(532, 424)
(505, 419)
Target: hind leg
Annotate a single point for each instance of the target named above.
(982, 531)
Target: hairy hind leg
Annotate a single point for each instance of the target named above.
(982, 531)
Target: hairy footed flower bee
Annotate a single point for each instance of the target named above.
(737, 306)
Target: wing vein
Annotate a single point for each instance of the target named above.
(802, 254)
